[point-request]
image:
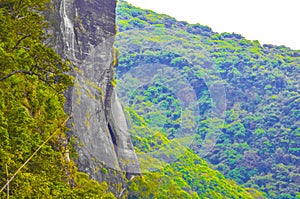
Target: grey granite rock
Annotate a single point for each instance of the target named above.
(83, 32)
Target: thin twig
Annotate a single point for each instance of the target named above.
(19, 41)
(7, 180)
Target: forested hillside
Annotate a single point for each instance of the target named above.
(196, 102)
(36, 155)
(246, 95)
(187, 176)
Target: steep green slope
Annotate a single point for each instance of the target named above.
(34, 151)
(258, 140)
(188, 176)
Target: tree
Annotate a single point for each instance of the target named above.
(22, 49)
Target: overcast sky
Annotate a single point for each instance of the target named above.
(269, 21)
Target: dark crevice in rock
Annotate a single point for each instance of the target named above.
(113, 137)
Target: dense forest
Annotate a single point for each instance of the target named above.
(211, 115)
(243, 97)
(36, 160)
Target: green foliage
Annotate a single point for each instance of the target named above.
(22, 48)
(32, 81)
(187, 177)
(260, 136)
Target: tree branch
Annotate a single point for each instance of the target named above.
(19, 41)
(15, 72)
(26, 73)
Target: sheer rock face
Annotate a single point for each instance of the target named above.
(83, 32)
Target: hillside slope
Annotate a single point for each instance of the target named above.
(252, 90)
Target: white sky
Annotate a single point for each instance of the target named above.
(269, 21)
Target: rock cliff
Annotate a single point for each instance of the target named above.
(83, 32)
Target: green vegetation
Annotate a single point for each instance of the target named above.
(32, 80)
(189, 176)
(259, 142)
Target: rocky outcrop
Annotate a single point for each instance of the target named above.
(83, 32)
